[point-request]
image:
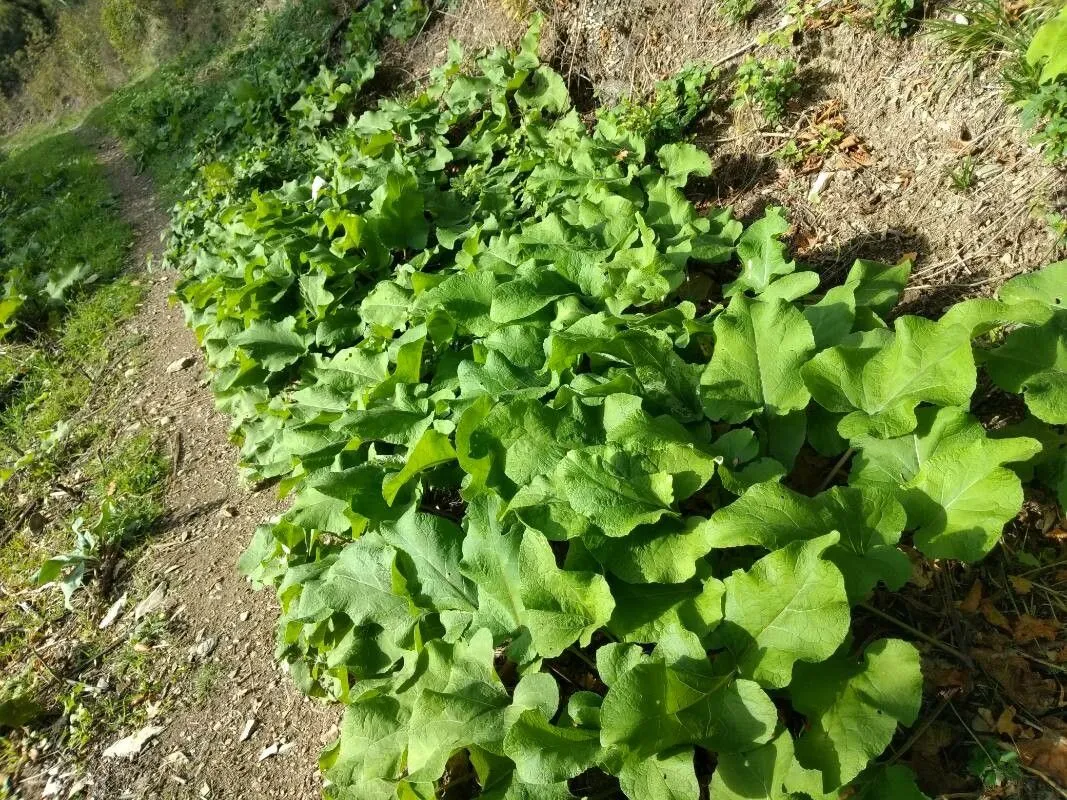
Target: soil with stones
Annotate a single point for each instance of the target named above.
(220, 641)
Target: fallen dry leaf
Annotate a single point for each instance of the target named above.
(1030, 629)
(993, 616)
(1020, 584)
(1006, 723)
(945, 677)
(1047, 754)
(983, 721)
(1024, 687)
(973, 598)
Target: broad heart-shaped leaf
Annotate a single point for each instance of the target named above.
(878, 379)
(663, 441)
(1048, 286)
(663, 776)
(646, 612)
(523, 297)
(831, 318)
(950, 478)
(681, 160)
(461, 702)
(870, 522)
(432, 449)
(1033, 361)
(762, 254)
(544, 753)
(428, 556)
(665, 552)
(677, 698)
(491, 562)
(499, 780)
(981, 315)
(388, 305)
(755, 366)
(790, 606)
(888, 783)
(360, 584)
(1048, 48)
(562, 606)
(275, 345)
(760, 773)
(877, 286)
(368, 758)
(853, 708)
(615, 490)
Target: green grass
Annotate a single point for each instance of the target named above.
(980, 30)
(59, 232)
(176, 120)
(66, 463)
(962, 177)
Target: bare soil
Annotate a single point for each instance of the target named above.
(208, 700)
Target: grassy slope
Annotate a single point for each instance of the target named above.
(62, 460)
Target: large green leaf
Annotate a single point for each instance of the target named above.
(648, 612)
(759, 773)
(562, 606)
(869, 521)
(545, 753)
(853, 708)
(1048, 48)
(950, 477)
(677, 698)
(762, 253)
(760, 347)
(790, 606)
(665, 552)
(878, 379)
(428, 555)
(1032, 361)
(614, 489)
(664, 776)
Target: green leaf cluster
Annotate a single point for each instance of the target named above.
(540, 416)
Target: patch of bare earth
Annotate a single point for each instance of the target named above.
(907, 117)
(232, 724)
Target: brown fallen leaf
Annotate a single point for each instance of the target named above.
(1020, 584)
(993, 616)
(1006, 724)
(1030, 629)
(1024, 687)
(947, 677)
(973, 598)
(1047, 754)
(1059, 533)
(983, 721)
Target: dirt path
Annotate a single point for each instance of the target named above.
(208, 701)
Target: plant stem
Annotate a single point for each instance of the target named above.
(837, 468)
(919, 634)
(588, 661)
